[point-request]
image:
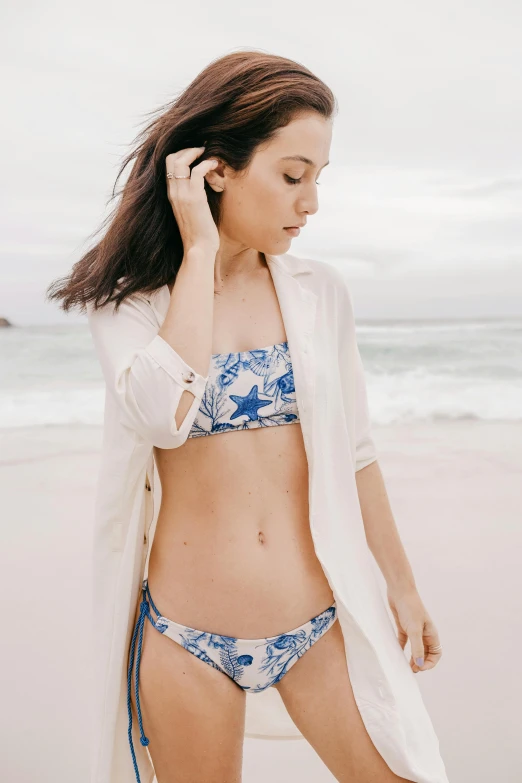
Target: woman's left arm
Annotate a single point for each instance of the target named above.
(411, 616)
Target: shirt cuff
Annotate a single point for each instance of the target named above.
(178, 369)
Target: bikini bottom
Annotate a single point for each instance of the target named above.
(253, 664)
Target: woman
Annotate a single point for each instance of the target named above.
(252, 601)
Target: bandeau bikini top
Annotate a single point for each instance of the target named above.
(246, 390)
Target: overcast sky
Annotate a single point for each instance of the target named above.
(421, 203)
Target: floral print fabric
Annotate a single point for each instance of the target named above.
(254, 664)
(247, 389)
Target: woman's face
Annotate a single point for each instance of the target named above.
(259, 203)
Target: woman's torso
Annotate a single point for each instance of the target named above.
(233, 552)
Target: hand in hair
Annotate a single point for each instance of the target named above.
(189, 201)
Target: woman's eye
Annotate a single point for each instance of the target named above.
(293, 181)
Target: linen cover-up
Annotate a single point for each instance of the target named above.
(145, 378)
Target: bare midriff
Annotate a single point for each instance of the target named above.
(233, 552)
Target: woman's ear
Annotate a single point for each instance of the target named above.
(215, 178)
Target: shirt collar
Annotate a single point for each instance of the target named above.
(292, 265)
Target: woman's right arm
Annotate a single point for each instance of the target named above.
(187, 327)
(148, 371)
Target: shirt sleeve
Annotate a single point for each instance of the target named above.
(365, 451)
(354, 380)
(142, 371)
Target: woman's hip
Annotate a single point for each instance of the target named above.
(252, 596)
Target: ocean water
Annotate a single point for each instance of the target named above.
(415, 371)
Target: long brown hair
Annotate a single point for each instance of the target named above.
(236, 103)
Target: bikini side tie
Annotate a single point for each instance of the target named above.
(138, 630)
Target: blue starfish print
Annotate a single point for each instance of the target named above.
(248, 405)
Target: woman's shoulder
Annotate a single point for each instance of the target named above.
(136, 304)
(331, 283)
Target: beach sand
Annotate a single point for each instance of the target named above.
(456, 492)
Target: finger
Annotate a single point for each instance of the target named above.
(430, 634)
(193, 184)
(417, 648)
(184, 157)
(177, 163)
(432, 658)
(428, 664)
(197, 175)
(429, 640)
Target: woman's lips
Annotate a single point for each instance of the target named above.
(293, 231)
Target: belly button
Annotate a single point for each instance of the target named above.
(261, 537)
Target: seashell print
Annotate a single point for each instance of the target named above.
(254, 665)
(261, 364)
(323, 620)
(235, 398)
(228, 377)
(286, 383)
(287, 641)
(245, 660)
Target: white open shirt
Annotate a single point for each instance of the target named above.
(145, 378)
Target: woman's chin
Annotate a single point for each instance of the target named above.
(276, 248)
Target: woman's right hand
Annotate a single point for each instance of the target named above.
(189, 201)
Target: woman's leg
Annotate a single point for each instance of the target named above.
(318, 695)
(193, 715)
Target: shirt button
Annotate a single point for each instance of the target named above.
(189, 377)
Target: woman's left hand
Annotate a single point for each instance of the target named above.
(414, 622)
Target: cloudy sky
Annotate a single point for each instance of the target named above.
(422, 201)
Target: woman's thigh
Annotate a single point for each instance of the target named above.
(193, 715)
(319, 698)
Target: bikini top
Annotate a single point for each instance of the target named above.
(247, 389)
